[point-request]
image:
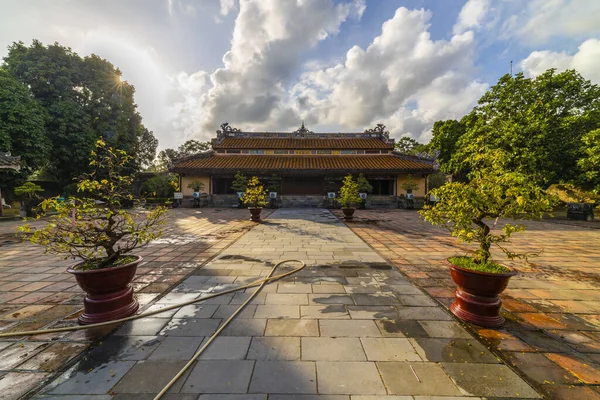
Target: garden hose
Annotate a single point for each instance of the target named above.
(260, 283)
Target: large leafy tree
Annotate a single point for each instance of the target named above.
(538, 122)
(408, 145)
(190, 147)
(444, 138)
(84, 99)
(21, 128)
(590, 162)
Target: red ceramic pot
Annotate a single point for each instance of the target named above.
(476, 295)
(255, 213)
(348, 214)
(108, 293)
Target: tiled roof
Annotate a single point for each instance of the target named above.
(224, 163)
(7, 161)
(307, 143)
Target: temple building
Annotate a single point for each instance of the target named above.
(303, 166)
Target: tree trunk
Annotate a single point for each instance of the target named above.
(483, 255)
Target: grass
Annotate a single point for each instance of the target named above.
(468, 263)
(91, 265)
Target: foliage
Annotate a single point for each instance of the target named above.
(255, 195)
(445, 136)
(349, 192)
(410, 185)
(22, 122)
(569, 193)
(408, 145)
(239, 182)
(197, 186)
(492, 192)
(590, 162)
(468, 263)
(158, 186)
(539, 123)
(363, 184)
(190, 147)
(95, 228)
(83, 100)
(274, 183)
(28, 190)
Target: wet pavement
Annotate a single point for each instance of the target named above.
(36, 292)
(552, 334)
(349, 326)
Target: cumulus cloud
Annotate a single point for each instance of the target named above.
(542, 20)
(268, 40)
(403, 78)
(471, 15)
(585, 61)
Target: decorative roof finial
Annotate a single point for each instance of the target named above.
(302, 130)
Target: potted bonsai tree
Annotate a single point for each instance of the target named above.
(97, 230)
(239, 186)
(196, 186)
(349, 197)
(29, 193)
(410, 185)
(255, 198)
(364, 188)
(471, 212)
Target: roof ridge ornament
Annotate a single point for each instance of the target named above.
(225, 129)
(302, 130)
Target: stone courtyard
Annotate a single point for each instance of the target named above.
(366, 319)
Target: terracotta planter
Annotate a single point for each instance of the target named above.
(348, 214)
(476, 295)
(108, 293)
(255, 213)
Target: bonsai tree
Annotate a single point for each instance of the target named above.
(349, 193)
(29, 192)
(197, 186)
(363, 187)
(471, 210)
(410, 185)
(255, 194)
(94, 227)
(158, 186)
(239, 185)
(239, 182)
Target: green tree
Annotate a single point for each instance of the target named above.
(349, 192)
(84, 99)
(590, 162)
(363, 184)
(239, 182)
(537, 122)
(471, 210)
(99, 234)
(445, 136)
(22, 131)
(408, 145)
(189, 148)
(158, 186)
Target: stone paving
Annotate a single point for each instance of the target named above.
(347, 327)
(36, 292)
(552, 334)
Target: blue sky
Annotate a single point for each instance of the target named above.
(341, 65)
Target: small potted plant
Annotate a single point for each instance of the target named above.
(29, 192)
(239, 186)
(96, 229)
(471, 212)
(255, 198)
(409, 186)
(196, 186)
(364, 188)
(349, 197)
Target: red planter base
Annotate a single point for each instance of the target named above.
(348, 214)
(476, 296)
(108, 293)
(255, 214)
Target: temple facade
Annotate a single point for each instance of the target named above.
(303, 166)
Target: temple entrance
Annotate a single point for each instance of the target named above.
(301, 185)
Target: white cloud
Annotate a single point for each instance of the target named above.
(471, 15)
(543, 20)
(585, 61)
(227, 6)
(402, 78)
(269, 39)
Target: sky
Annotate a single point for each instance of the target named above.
(338, 65)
